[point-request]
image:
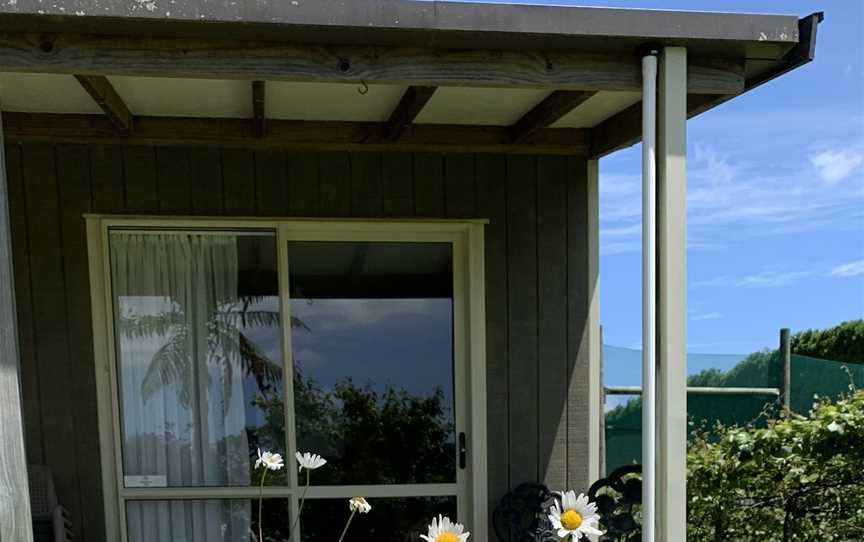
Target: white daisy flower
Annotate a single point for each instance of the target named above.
(309, 461)
(576, 516)
(269, 460)
(359, 504)
(444, 530)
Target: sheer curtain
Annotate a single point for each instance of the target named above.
(181, 381)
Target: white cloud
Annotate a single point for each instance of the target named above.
(772, 279)
(851, 269)
(706, 316)
(307, 356)
(763, 279)
(344, 314)
(737, 195)
(835, 165)
(608, 249)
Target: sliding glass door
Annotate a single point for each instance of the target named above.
(372, 345)
(200, 374)
(349, 343)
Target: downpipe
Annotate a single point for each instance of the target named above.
(649, 291)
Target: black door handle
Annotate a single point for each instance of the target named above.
(463, 451)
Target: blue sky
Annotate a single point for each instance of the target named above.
(775, 198)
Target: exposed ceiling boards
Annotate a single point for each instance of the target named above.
(331, 101)
(44, 93)
(164, 97)
(598, 108)
(479, 106)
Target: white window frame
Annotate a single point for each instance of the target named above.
(469, 338)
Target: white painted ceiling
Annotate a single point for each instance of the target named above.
(483, 106)
(151, 96)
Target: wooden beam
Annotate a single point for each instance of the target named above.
(234, 59)
(15, 521)
(259, 114)
(290, 134)
(625, 128)
(547, 112)
(103, 93)
(413, 101)
(619, 131)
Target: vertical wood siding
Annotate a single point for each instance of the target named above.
(537, 282)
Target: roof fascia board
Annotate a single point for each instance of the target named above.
(429, 21)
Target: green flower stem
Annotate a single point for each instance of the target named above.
(345, 530)
(260, 507)
(302, 501)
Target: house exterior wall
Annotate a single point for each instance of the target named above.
(540, 254)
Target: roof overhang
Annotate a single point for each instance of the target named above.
(416, 23)
(584, 59)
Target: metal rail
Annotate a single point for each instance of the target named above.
(697, 390)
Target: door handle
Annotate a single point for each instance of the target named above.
(463, 451)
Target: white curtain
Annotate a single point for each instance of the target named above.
(181, 380)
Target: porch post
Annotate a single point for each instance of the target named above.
(595, 346)
(15, 522)
(671, 523)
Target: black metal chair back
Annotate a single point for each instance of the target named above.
(523, 514)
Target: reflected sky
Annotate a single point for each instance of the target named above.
(404, 343)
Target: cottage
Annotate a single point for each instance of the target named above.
(366, 229)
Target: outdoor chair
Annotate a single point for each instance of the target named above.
(522, 514)
(51, 521)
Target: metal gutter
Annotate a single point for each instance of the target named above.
(802, 53)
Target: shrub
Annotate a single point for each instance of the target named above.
(800, 478)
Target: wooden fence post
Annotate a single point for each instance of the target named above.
(602, 412)
(786, 370)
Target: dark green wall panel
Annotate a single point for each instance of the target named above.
(536, 267)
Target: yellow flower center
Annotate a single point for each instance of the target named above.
(571, 520)
(446, 537)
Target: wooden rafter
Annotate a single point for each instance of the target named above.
(288, 133)
(547, 112)
(259, 113)
(106, 97)
(625, 128)
(235, 59)
(403, 115)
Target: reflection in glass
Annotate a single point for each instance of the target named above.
(206, 521)
(199, 356)
(391, 519)
(373, 359)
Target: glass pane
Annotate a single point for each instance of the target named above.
(393, 520)
(372, 328)
(199, 356)
(207, 520)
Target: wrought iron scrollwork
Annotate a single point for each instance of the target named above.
(523, 514)
(619, 503)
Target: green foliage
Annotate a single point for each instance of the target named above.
(844, 342)
(798, 479)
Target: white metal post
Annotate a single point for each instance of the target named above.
(649, 229)
(671, 522)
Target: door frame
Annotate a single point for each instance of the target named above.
(469, 323)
